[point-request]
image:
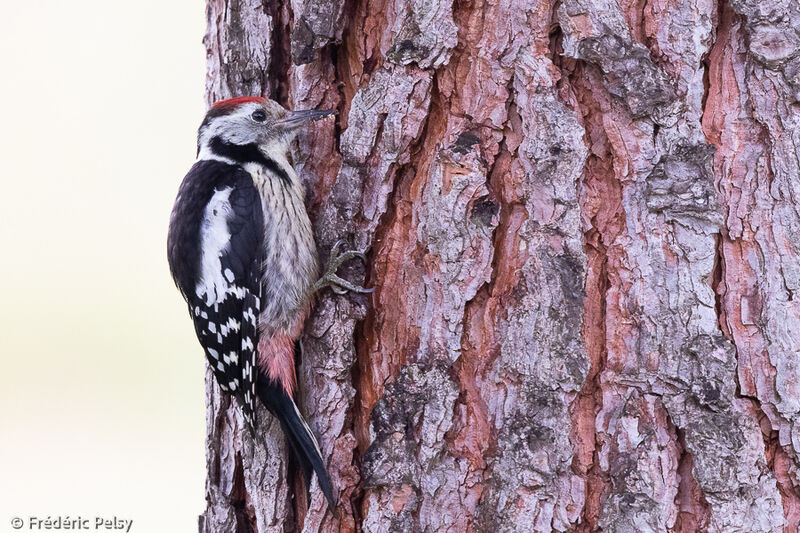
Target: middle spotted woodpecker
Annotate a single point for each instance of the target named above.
(242, 253)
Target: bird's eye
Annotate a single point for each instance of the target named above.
(259, 115)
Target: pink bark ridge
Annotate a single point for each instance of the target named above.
(582, 223)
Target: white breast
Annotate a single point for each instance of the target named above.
(290, 266)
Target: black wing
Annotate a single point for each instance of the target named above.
(215, 249)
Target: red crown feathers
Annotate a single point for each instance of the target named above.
(236, 102)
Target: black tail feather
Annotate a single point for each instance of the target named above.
(305, 465)
(301, 440)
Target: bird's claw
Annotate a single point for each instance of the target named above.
(330, 279)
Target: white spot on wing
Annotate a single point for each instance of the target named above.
(214, 239)
(231, 325)
(247, 343)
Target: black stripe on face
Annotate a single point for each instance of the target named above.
(248, 153)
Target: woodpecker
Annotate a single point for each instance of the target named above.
(242, 252)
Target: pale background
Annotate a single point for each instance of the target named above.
(101, 403)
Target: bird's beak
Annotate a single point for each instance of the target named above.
(293, 119)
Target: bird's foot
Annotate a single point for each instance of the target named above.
(330, 279)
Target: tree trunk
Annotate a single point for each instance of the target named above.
(583, 232)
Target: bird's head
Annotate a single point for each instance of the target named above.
(252, 120)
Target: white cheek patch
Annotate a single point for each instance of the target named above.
(214, 239)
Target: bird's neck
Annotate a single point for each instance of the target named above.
(253, 157)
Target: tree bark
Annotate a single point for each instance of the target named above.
(583, 229)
